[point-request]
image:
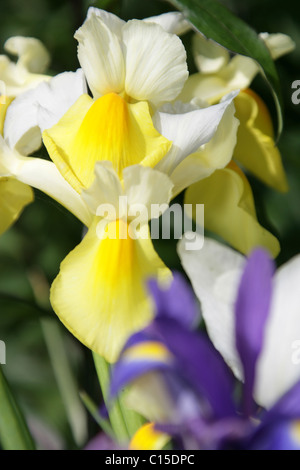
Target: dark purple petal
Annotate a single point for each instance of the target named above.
(278, 425)
(252, 309)
(283, 435)
(288, 407)
(197, 434)
(177, 302)
(200, 365)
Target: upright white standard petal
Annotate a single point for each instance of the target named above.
(189, 130)
(31, 52)
(156, 68)
(101, 57)
(278, 44)
(215, 273)
(36, 110)
(279, 365)
(172, 22)
(113, 22)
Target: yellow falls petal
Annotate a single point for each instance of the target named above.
(4, 103)
(100, 293)
(108, 129)
(14, 196)
(255, 148)
(147, 438)
(229, 210)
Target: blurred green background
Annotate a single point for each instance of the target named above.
(31, 252)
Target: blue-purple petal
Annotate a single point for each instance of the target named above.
(177, 302)
(252, 309)
(287, 407)
(281, 435)
(200, 365)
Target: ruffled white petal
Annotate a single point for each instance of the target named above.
(146, 186)
(31, 53)
(100, 55)
(209, 56)
(16, 79)
(188, 131)
(278, 44)
(172, 22)
(216, 154)
(56, 97)
(279, 365)
(237, 74)
(106, 188)
(156, 67)
(21, 130)
(215, 273)
(142, 186)
(36, 110)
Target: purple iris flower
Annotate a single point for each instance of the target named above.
(209, 408)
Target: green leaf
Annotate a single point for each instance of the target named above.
(14, 434)
(216, 22)
(94, 411)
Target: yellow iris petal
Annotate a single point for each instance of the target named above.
(4, 103)
(100, 293)
(147, 438)
(296, 431)
(109, 129)
(255, 147)
(229, 210)
(14, 196)
(151, 350)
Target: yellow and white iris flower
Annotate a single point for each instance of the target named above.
(134, 70)
(255, 148)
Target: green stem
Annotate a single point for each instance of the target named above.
(65, 380)
(124, 422)
(14, 433)
(115, 412)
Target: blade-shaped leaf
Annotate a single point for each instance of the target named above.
(14, 434)
(216, 22)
